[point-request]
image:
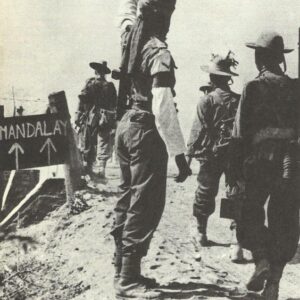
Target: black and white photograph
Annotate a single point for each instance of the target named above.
(149, 149)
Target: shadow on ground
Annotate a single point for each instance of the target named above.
(201, 291)
(216, 244)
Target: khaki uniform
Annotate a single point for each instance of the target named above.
(96, 118)
(143, 157)
(266, 126)
(208, 144)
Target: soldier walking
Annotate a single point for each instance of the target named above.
(147, 134)
(265, 132)
(96, 118)
(209, 141)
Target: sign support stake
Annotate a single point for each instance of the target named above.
(58, 104)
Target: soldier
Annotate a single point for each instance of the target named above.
(265, 129)
(96, 120)
(209, 140)
(147, 134)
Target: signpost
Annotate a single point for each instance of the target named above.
(41, 140)
(33, 141)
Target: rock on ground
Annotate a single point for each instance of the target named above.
(72, 256)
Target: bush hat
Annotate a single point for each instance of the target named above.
(221, 66)
(100, 67)
(270, 40)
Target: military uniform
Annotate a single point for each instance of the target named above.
(147, 134)
(143, 157)
(96, 116)
(204, 144)
(266, 124)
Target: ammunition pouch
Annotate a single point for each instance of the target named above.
(231, 206)
(107, 119)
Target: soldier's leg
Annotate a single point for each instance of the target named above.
(283, 224)
(208, 184)
(234, 194)
(103, 151)
(148, 185)
(123, 203)
(252, 232)
(148, 167)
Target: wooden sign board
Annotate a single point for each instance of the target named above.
(33, 141)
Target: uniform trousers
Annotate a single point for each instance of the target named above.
(143, 161)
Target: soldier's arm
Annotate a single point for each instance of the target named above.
(200, 125)
(113, 96)
(166, 117)
(243, 124)
(241, 134)
(163, 104)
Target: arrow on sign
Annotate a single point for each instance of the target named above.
(49, 144)
(16, 148)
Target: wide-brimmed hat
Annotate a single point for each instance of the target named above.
(206, 88)
(270, 40)
(221, 66)
(100, 67)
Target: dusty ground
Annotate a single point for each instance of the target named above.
(73, 254)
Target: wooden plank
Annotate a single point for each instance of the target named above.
(33, 141)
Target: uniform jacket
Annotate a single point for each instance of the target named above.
(267, 110)
(266, 121)
(212, 110)
(99, 93)
(153, 91)
(156, 58)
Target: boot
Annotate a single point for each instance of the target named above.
(102, 166)
(129, 285)
(260, 275)
(150, 283)
(236, 253)
(271, 291)
(118, 262)
(98, 172)
(202, 227)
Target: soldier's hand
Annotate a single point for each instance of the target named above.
(183, 167)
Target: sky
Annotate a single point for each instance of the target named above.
(46, 45)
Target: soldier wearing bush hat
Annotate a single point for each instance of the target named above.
(265, 132)
(95, 119)
(208, 141)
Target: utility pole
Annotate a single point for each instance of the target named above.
(14, 100)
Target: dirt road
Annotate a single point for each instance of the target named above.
(72, 259)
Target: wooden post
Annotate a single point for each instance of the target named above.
(58, 104)
(1, 111)
(1, 173)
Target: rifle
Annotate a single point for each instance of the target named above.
(124, 93)
(225, 133)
